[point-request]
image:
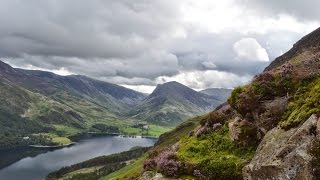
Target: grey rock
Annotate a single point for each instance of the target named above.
(153, 176)
(285, 155)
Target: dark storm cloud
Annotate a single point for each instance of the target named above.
(97, 38)
(141, 42)
(79, 28)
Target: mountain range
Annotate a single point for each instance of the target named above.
(76, 103)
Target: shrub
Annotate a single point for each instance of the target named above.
(264, 85)
(234, 97)
(216, 117)
(247, 103)
(243, 100)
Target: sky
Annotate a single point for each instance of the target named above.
(142, 43)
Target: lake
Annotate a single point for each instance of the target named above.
(38, 167)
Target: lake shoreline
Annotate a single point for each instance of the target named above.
(53, 147)
(77, 138)
(34, 150)
(19, 164)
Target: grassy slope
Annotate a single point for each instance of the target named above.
(306, 102)
(134, 169)
(171, 137)
(216, 154)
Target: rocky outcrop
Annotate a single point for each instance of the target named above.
(286, 154)
(234, 129)
(153, 176)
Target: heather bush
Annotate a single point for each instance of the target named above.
(149, 164)
(216, 117)
(171, 168)
(166, 162)
(213, 117)
(247, 103)
(234, 97)
(264, 85)
(197, 173)
(213, 121)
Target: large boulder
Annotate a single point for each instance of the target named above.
(286, 155)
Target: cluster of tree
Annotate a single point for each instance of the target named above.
(110, 164)
(14, 128)
(144, 128)
(98, 173)
(106, 129)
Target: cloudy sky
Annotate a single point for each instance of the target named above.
(140, 43)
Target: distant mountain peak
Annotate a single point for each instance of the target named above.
(173, 102)
(173, 84)
(5, 67)
(171, 88)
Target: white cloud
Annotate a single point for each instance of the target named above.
(140, 88)
(249, 49)
(205, 79)
(61, 71)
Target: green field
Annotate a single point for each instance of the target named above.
(154, 130)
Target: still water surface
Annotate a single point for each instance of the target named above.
(36, 168)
